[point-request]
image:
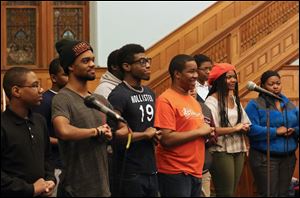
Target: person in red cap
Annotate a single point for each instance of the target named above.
(232, 123)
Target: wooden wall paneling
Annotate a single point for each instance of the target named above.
(227, 46)
(172, 50)
(50, 39)
(266, 56)
(3, 36)
(43, 34)
(215, 18)
(290, 80)
(191, 38)
(155, 63)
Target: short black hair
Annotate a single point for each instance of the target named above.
(112, 60)
(266, 75)
(12, 77)
(201, 58)
(127, 52)
(178, 63)
(55, 66)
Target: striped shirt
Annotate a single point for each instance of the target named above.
(230, 143)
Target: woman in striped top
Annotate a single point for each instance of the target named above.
(232, 123)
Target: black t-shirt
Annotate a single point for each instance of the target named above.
(138, 110)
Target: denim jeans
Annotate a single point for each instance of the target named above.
(138, 185)
(179, 185)
(281, 172)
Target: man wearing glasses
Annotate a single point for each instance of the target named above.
(136, 177)
(204, 66)
(26, 169)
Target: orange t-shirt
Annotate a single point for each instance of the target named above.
(179, 113)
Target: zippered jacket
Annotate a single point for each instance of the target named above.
(289, 117)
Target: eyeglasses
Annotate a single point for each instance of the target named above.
(35, 86)
(205, 68)
(143, 61)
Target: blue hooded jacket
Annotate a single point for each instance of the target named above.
(289, 117)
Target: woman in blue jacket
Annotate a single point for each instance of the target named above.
(284, 134)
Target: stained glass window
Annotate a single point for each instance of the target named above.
(31, 33)
(61, 3)
(68, 23)
(21, 36)
(18, 3)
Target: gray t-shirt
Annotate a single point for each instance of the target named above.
(85, 168)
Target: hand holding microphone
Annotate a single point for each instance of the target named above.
(92, 102)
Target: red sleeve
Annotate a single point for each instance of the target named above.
(164, 115)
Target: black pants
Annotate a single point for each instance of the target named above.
(137, 185)
(281, 172)
(179, 185)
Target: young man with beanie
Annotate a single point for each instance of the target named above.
(26, 168)
(82, 131)
(180, 154)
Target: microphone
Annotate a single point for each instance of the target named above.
(92, 102)
(251, 86)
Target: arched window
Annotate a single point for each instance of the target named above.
(30, 29)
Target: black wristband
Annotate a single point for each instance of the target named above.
(99, 132)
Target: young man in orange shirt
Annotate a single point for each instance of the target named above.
(180, 154)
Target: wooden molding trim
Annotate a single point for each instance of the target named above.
(279, 47)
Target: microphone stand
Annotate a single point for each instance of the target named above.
(268, 104)
(268, 148)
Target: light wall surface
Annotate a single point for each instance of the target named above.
(296, 62)
(116, 23)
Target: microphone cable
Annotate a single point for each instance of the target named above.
(129, 137)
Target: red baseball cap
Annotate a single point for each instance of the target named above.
(217, 70)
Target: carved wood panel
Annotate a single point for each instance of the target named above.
(266, 21)
(199, 31)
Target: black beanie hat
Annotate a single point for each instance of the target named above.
(69, 50)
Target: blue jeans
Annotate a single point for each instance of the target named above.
(139, 185)
(179, 185)
(281, 173)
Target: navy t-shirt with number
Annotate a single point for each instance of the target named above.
(138, 110)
